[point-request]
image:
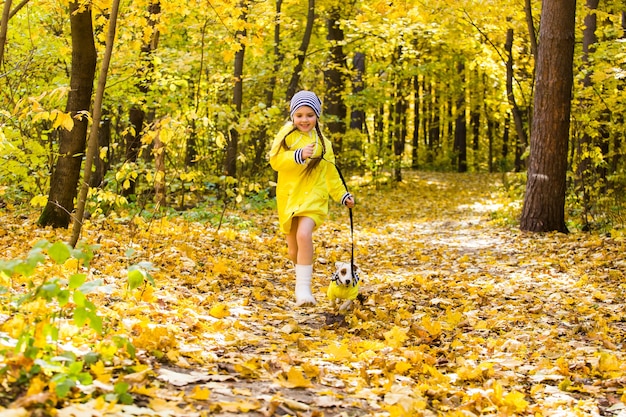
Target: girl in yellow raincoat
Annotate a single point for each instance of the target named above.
(307, 178)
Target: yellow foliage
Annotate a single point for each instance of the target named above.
(219, 311)
(295, 379)
(199, 393)
(396, 337)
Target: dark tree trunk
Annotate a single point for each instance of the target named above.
(102, 165)
(357, 116)
(544, 201)
(304, 46)
(460, 123)
(334, 81)
(416, 124)
(64, 180)
(4, 26)
(530, 23)
(399, 129)
(191, 148)
(232, 143)
(585, 171)
(522, 139)
(434, 128)
(137, 113)
(505, 139)
(477, 104)
(260, 138)
(617, 140)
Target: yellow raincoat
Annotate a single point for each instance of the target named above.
(299, 194)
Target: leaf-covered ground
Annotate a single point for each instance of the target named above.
(458, 314)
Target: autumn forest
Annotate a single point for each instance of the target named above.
(143, 271)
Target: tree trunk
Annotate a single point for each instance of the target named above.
(532, 35)
(335, 108)
(357, 116)
(460, 123)
(92, 146)
(544, 201)
(585, 170)
(160, 196)
(399, 128)
(102, 165)
(4, 26)
(64, 180)
(416, 123)
(232, 143)
(137, 113)
(522, 139)
(434, 128)
(304, 46)
(260, 138)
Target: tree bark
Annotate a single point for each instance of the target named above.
(460, 124)
(4, 26)
(64, 180)
(260, 138)
(304, 46)
(532, 35)
(522, 139)
(544, 201)
(92, 148)
(160, 191)
(232, 143)
(334, 80)
(357, 115)
(585, 169)
(417, 123)
(137, 113)
(102, 165)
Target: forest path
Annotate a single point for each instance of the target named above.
(458, 313)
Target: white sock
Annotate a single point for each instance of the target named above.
(303, 285)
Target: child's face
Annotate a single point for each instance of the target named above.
(304, 119)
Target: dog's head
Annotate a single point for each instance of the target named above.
(344, 274)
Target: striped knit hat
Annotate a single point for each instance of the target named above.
(305, 98)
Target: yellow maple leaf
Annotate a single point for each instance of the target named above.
(101, 372)
(396, 337)
(432, 327)
(296, 379)
(402, 367)
(515, 401)
(339, 352)
(219, 311)
(199, 393)
(608, 362)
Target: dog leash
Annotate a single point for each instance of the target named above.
(351, 221)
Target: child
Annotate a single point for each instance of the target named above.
(307, 177)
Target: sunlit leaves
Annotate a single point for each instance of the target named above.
(458, 316)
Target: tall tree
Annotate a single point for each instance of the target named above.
(544, 201)
(232, 142)
(64, 181)
(334, 80)
(302, 50)
(93, 148)
(522, 139)
(585, 168)
(137, 112)
(260, 136)
(4, 25)
(460, 123)
(357, 116)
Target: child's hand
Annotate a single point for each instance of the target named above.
(307, 151)
(350, 202)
